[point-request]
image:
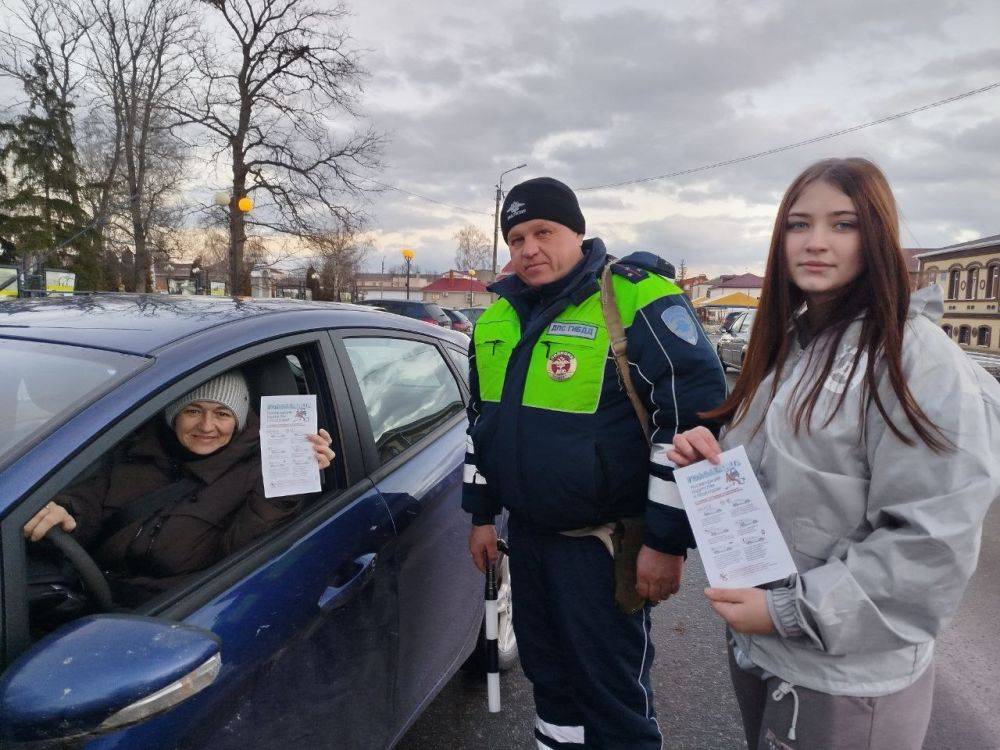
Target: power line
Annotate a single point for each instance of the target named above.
(798, 144)
(426, 198)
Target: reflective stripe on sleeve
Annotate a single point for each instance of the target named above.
(663, 492)
(472, 476)
(658, 454)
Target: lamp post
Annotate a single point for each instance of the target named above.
(235, 210)
(408, 257)
(496, 215)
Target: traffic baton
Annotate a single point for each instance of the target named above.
(492, 632)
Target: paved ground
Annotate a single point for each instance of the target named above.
(691, 681)
(693, 697)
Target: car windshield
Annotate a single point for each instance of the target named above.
(42, 384)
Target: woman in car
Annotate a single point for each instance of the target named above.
(203, 463)
(875, 440)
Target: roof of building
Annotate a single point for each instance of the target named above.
(455, 284)
(982, 242)
(693, 281)
(743, 281)
(910, 255)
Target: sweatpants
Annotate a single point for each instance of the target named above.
(587, 662)
(821, 721)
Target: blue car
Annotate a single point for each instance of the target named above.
(333, 630)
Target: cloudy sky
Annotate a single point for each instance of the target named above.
(596, 93)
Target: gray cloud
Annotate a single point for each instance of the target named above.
(594, 96)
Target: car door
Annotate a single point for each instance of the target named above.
(306, 617)
(726, 341)
(413, 426)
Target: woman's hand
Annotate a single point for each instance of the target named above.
(744, 610)
(48, 517)
(321, 445)
(693, 446)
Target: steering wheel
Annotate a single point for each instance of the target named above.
(89, 572)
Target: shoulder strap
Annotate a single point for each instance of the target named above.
(619, 346)
(145, 507)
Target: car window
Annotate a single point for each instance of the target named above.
(407, 388)
(461, 359)
(435, 310)
(42, 384)
(204, 464)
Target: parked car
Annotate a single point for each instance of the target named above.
(472, 313)
(459, 322)
(732, 345)
(334, 629)
(428, 312)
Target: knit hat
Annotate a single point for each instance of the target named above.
(541, 198)
(229, 389)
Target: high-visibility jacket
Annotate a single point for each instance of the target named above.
(552, 434)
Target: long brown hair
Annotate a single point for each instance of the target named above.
(880, 295)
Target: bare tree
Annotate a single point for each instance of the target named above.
(140, 53)
(268, 87)
(54, 33)
(340, 257)
(474, 251)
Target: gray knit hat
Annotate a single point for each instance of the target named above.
(229, 389)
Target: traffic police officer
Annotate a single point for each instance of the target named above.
(554, 438)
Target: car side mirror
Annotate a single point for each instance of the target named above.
(102, 673)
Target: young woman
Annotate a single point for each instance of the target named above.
(875, 440)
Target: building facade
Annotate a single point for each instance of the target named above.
(457, 291)
(749, 284)
(969, 276)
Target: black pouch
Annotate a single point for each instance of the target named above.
(627, 539)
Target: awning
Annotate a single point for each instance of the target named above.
(736, 299)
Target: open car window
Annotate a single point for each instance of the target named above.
(154, 514)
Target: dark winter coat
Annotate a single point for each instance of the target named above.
(226, 512)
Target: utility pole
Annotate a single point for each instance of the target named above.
(496, 215)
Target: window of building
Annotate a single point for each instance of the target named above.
(971, 282)
(993, 281)
(983, 336)
(964, 335)
(954, 279)
(947, 330)
(407, 387)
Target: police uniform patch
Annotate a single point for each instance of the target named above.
(679, 321)
(561, 365)
(579, 330)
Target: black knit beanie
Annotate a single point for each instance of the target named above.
(541, 198)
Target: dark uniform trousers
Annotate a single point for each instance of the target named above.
(588, 662)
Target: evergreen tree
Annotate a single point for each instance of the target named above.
(41, 215)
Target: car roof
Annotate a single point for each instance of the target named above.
(144, 323)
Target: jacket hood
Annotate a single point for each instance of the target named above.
(928, 302)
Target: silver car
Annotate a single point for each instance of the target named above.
(732, 346)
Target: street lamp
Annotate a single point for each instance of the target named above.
(408, 257)
(496, 215)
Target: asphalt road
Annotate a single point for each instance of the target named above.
(691, 681)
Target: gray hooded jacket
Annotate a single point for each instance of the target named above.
(885, 536)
